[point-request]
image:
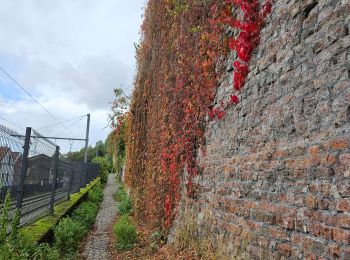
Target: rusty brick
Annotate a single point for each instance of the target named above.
(265, 217)
(344, 188)
(310, 256)
(345, 252)
(311, 201)
(314, 150)
(296, 239)
(289, 223)
(334, 251)
(285, 249)
(278, 234)
(345, 158)
(313, 245)
(343, 205)
(341, 235)
(327, 232)
(339, 144)
(328, 160)
(315, 229)
(323, 203)
(344, 221)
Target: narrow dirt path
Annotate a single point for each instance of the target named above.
(96, 247)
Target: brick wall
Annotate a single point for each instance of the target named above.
(277, 177)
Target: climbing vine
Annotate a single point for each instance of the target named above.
(180, 62)
(248, 39)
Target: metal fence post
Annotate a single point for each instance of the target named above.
(81, 176)
(54, 183)
(70, 183)
(24, 168)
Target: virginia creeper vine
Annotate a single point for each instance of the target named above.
(178, 74)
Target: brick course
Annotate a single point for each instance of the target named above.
(277, 176)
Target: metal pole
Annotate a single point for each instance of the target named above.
(70, 184)
(54, 183)
(87, 138)
(82, 170)
(20, 191)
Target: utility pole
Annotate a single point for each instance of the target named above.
(87, 138)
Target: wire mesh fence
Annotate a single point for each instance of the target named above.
(30, 169)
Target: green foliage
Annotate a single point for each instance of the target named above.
(125, 233)
(121, 193)
(104, 168)
(98, 150)
(119, 106)
(45, 252)
(179, 6)
(116, 140)
(71, 230)
(86, 213)
(125, 206)
(120, 147)
(156, 240)
(95, 195)
(4, 219)
(68, 234)
(15, 225)
(18, 247)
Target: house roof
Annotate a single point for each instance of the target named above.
(39, 156)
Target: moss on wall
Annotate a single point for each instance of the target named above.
(39, 229)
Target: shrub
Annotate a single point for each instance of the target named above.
(68, 234)
(45, 252)
(125, 206)
(104, 168)
(86, 214)
(95, 195)
(125, 233)
(121, 194)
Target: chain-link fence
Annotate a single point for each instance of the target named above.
(30, 169)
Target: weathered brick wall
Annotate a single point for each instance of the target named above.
(277, 177)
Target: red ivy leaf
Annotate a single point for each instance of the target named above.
(234, 99)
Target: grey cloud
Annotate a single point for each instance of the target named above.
(90, 81)
(70, 54)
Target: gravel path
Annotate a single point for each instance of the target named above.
(96, 247)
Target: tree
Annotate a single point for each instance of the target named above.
(119, 108)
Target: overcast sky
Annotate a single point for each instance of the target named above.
(69, 54)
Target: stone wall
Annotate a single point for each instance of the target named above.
(277, 177)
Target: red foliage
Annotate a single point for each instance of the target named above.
(176, 84)
(247, 40)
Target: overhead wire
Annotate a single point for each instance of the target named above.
(69, 126)
(69, 120)
(30, 95)
(12, 123)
